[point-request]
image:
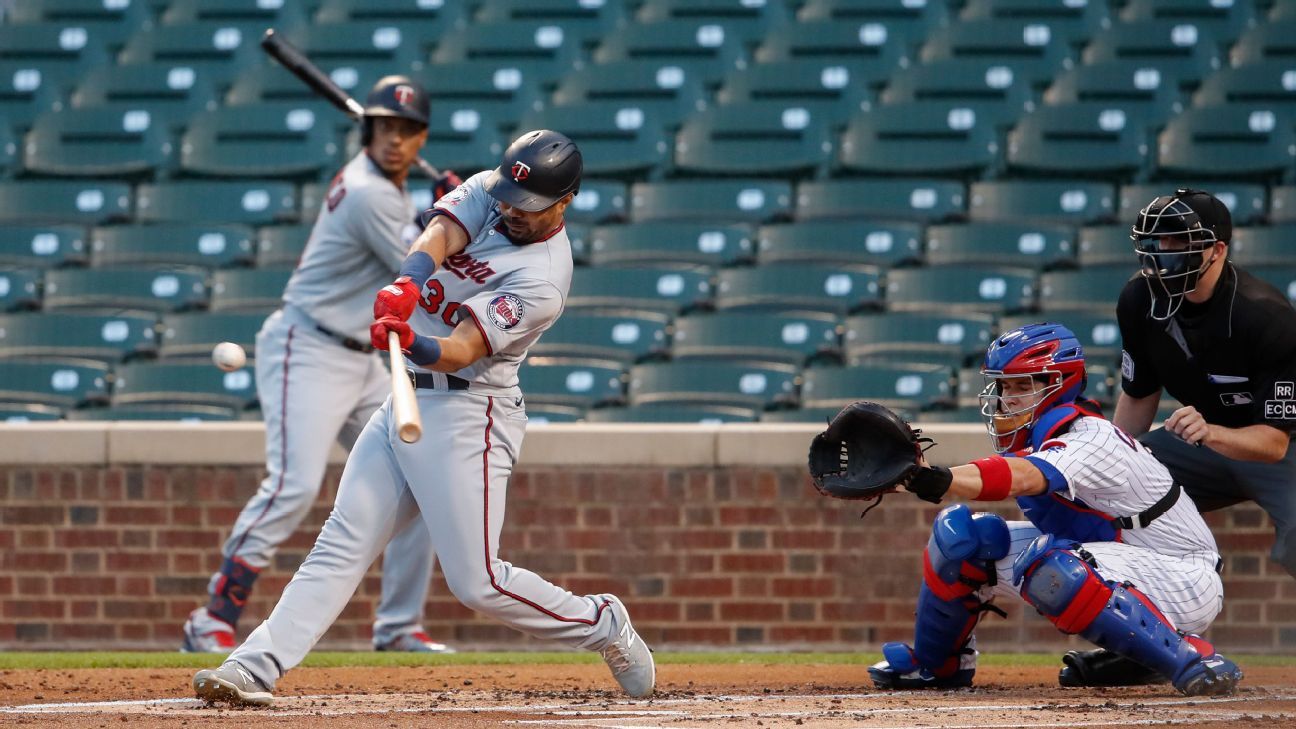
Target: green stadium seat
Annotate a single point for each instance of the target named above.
(397, 44)
(149, 383)
(662, 288)
(1102, 384)
(155, 289)
(898, 385)
(624, 335)
(1077, 21)
(259, 289)
(833, 288)
(174, 412)
(571, 382)
(1098, 331)
(1225, 20)
(1085, 140)
(754, 138)
(760, 385)
(214, 246)
(669, 413)
(194, 334)
(502, 91)
(8, 148)
(616, 139)
(543, 414)
(415, 13)
(252, 16)
(916, 138)
(547, 49)
(966, 415)
(1181, 51)
(864, 52)
(464, 140)
(751, 21)
(715, 201)
(961, 289)
(905, 21)
(840, 241)
(1269, 41)
(924, 200)
(588, 18)
(58, 201)
(1104, 244)
(599, 201)
(1227, 141)
(1245, 201)
(270, 82)
(1262, 84)
(42, 246)
(1144, 92)
(821, 416)
(671, 242)
(704, 50)
(97, 143)
(989, 88)
(829, 91)
(215, 50)
(578, 236)
(793, 337)
(246, 202)
(111, 22)
(61, 383)
(1263, 245)
(1094, 289)
(16, 412)
(901, 336)
(1002, 243)
(169, 93)
(56, 49)
(108, 337)
(1042, 201)
(1034, 51)
(264, 140)
(970, 383)
(281, 245)
(29, 88)
(1282, 203)
(19, 288)
(664, 90)
(1283, 278)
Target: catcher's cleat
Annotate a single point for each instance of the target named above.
(899, 670)
(1101, 667)
(627, 655)
(205, 633)
(1213, 675)
(232, 684)
(416, 642)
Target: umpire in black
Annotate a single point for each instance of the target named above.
(1221, 342)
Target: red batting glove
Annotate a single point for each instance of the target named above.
(378, 332)
(397, 299)
(444, 184)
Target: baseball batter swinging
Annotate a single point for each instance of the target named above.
(319, 381)
(486, 277)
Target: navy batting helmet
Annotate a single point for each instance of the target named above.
(397, 96)
(538, 169)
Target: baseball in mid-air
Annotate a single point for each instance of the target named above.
(229, 356)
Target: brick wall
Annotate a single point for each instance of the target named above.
(110, 557)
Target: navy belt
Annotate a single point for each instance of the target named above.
(354, 345)
(1148, 515)
(427, 381)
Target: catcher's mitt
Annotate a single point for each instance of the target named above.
(867, 451)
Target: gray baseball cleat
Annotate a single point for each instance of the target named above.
(416, 642)
(232, 684)
(628, 656)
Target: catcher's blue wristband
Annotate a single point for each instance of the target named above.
(424, 351)
(419, 266)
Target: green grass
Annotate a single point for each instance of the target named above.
(26, 661)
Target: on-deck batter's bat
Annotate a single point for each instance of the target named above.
(408, 422)
(291, 58)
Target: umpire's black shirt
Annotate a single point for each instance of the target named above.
(1232, 357)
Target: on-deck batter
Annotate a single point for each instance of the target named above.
(487, 276)
(1113, 550)
(319, 381)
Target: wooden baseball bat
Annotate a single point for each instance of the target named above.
(291, 58)
(408, 422)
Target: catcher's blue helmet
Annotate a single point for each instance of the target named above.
(1048, 354)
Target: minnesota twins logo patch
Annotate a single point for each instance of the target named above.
(505, 311)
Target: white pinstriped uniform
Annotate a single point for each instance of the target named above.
(1172, 560)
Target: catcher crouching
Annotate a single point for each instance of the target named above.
(1111, 549)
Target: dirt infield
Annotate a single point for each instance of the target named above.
(746, 695)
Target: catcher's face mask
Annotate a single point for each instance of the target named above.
(1009, 403)
(1171, 244)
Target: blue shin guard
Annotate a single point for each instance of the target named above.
(1066, 589)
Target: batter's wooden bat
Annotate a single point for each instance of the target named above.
(408, 422)
(291, 58)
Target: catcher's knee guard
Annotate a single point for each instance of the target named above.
(1059, 579)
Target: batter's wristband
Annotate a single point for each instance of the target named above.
(419, 266)
(996, 478)
(424, 351)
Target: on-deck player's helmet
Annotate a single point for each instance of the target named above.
(397, 96)
(1171, 235)
(1052, 357)
(537, 170)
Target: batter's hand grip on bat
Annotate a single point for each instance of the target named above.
(409, 424)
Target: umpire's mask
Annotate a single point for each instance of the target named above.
(1171, 237)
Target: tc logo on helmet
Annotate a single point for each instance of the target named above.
(404, 95)
(521, 171)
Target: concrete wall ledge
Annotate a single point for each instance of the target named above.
(576, 444)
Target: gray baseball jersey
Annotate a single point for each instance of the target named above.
(363, 233)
